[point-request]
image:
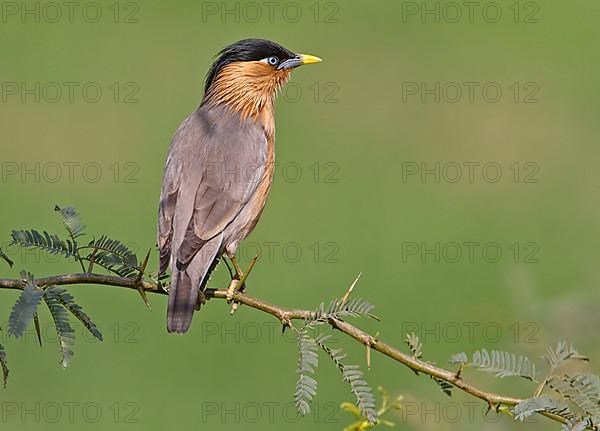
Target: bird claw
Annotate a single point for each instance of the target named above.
(201, 300)
(231, 289)
(234, 307)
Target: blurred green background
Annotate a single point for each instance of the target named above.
(349, 131)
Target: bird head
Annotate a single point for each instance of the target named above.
(247, 74)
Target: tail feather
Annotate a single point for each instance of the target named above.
(182, 302)
(187, 285)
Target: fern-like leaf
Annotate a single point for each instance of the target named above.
(444, 385)
(583, 390)
(459, 358)
(415, 346)
(72, 221)
(361, 389)
(354, 377)
(66, 335)
(576, 425)
(25, 308)
(50, 243)
(543, 403)
(308, 361)
(5, 258)
(501, 364)
(68, 301)
(338, 308)
(3, 365)
(113, 256)
(557, 356)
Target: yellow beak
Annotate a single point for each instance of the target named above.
(309, 59)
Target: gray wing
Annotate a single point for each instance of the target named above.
(166, 209)
(214, 165)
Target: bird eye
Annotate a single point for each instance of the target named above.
(273, 61)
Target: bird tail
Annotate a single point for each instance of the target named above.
(187, 285)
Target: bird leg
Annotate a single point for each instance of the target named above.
(240, 284)
(238, 270)
(236, 279)
(228, 268)
(231, 289)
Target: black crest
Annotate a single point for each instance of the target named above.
(246, 50)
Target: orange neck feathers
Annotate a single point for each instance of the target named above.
(248, 88)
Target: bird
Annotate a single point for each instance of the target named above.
(219, 169)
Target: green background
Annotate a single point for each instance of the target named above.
(345, 137)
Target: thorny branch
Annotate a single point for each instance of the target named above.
(285, 316)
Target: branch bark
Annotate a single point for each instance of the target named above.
(285, 316)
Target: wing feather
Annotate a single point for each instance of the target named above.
(215, 163)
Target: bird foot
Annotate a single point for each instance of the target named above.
(231, 289)
(240, 286)
(201, 300)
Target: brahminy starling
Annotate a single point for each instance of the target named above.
(219, 169)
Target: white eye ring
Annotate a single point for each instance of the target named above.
(273, 61)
